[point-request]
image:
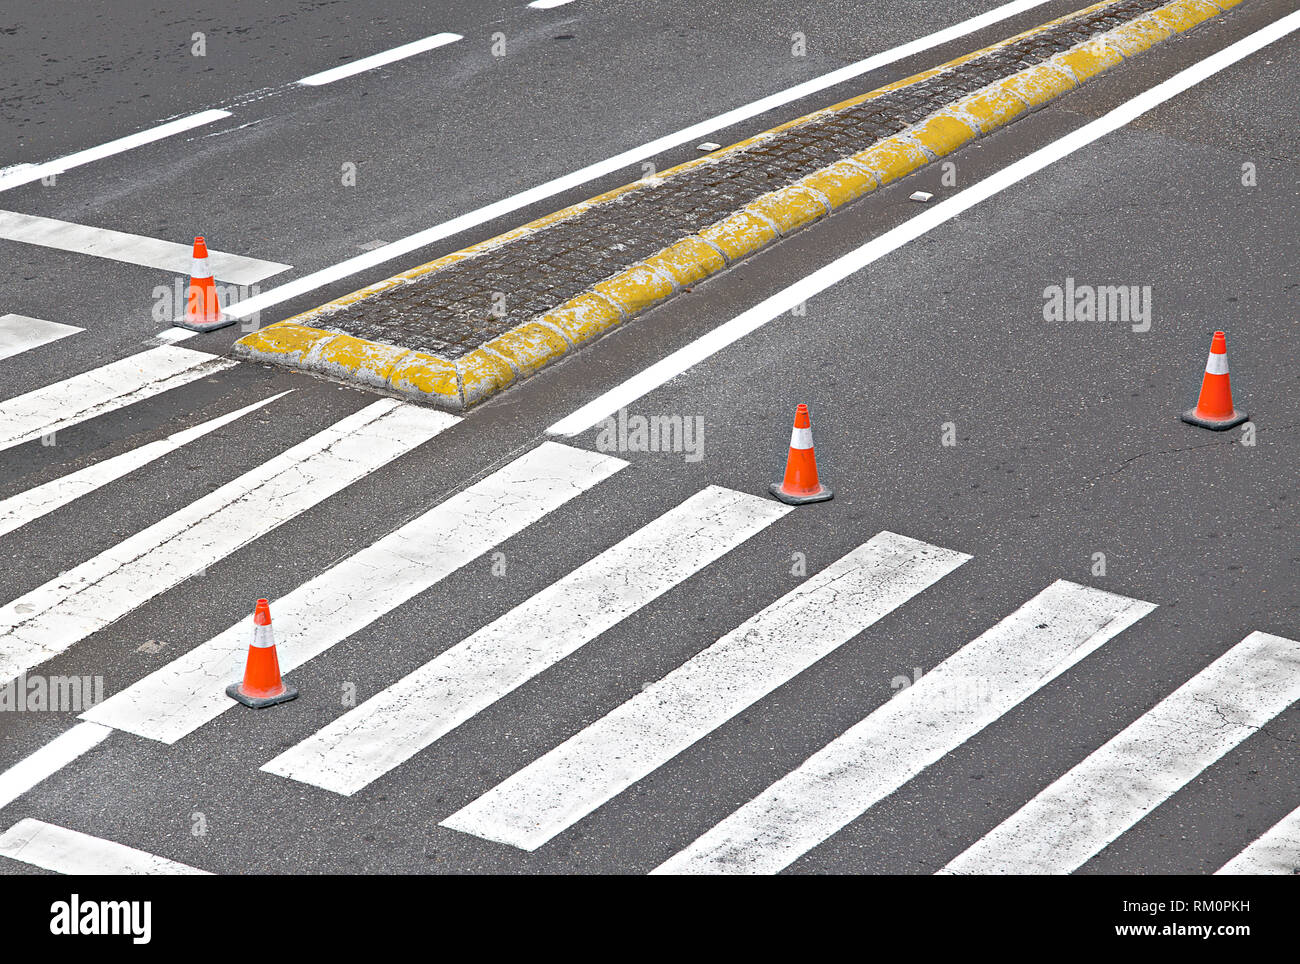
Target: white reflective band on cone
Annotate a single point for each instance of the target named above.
(199, 268)
(801, 438)
(1217, 364)
(262, 637)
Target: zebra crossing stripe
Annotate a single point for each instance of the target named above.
(386, 731)
(40, 500)
(771, 648)
(65, 851)
(1276, 852)
(130, 248)
(53, 617)
(102, 390)
(1076, 817)
(49, 759)
(19, 333)
(935, 715)
(190, 691)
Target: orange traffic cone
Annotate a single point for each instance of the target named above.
(262, 685)
(203, 308)
(801, 484)
(1214, 408)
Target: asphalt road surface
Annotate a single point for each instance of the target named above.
(1027, 550)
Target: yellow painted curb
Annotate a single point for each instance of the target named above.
(1088, 59)
(1183, 16)
(482, 374)
(583, 318)
(529, 346)
(1138, 35)
(942, 134)
(354, 359)
(427, 378)
(740, 234)
(790, 208)
(534, 344)
(284, 343)
(1037, 85)
(688, 261)
(991, 108)
(892, 158)
(842, 182)
(636, 288)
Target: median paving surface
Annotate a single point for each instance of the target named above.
(456, 330)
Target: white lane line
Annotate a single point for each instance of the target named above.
(769, 649)
(172, 335)
(101, 390)
(67, 851)
(1276, 852)
(131, 248)
(548, 4)
(188, 692)
(644, 382)
(26, 173)
(380, 59)
(249, 307)
(386, 731)
(941, 711)
(1076, 817)
(49, 759)
(68, 608)
(18, 333)
(41, 500)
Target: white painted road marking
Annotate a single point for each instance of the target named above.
(548, 4)
(131, 248)
(18, 333)
(172, 335)
(938, 713)
(386, 731)
(49, 759)
(1076, 817)
(190, 691)
(685, 358)
(27, 173)
(318, 279)
(66, 851)
(53, 617)
(102, 390)
(380, 59)
(767, 650)
(40, 500)
(1276, 852)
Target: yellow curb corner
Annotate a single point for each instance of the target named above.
(482, 373)
(426, 378)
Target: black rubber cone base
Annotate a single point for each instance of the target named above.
(824, 495)
(258, 702)
(222, 322)
(1236, 418)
